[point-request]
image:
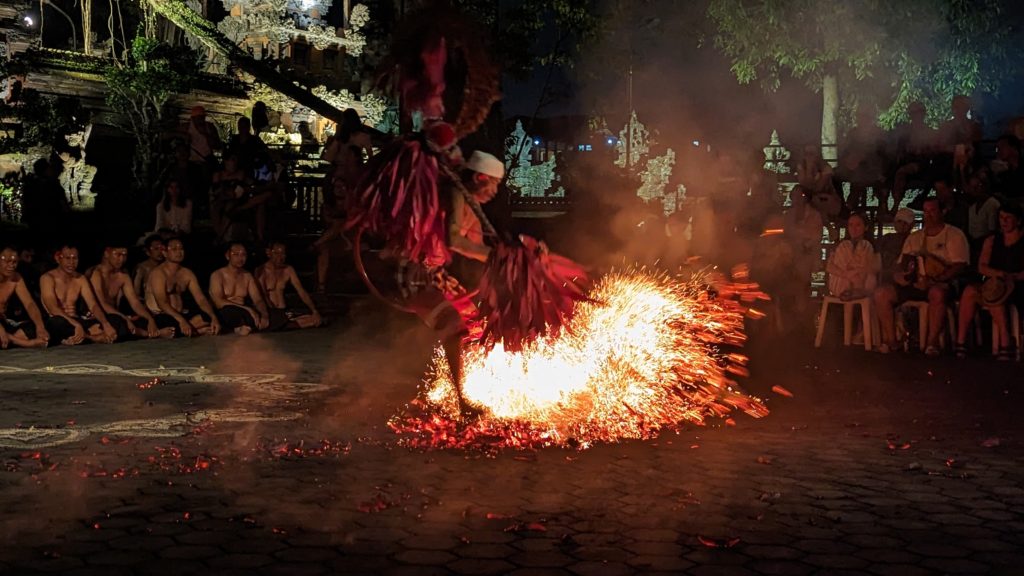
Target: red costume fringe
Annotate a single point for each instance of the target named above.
(526, 292)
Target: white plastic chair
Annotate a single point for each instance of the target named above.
(866, 316)
(922, 322)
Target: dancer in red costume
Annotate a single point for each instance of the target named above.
(423, 200)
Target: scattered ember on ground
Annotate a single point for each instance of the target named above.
(649, 352)
(284, 449)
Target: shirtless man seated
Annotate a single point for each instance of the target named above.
(115, 292)
(166, 286)
(155, 253)
(273, 278)
(30, 334)
(230, 288)
(62, 290)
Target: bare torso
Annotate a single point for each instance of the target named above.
(274, 281)
(176, 284)
(111, 284)
(234, 284)
(7, 287)
(141, 273)
(67, 289)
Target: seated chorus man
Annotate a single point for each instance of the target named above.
(165, 288)
(273, 277)
(62, 290)
(115, 292)
(25, 334)
(155, 253)
(230, 286)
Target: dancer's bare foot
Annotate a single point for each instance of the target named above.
(243, 330)
(166, 332)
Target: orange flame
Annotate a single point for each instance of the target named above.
(644, 354)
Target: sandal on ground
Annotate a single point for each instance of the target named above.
(961, 351)
(931, 351)
(1005, 353)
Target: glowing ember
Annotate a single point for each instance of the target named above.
(646, 354)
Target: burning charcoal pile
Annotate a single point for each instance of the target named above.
(646, 352)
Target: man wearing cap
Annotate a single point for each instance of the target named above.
(890, 246)
(447, 304)
(939, 255)
(202, 141)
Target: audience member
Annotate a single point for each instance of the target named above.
(814, 176)
(890, 246)
(982, 213)
(932, 259)
(958, 139)
(1002, 265)
(1007, 172)
(862, 159)
(235, 294)
(203, 140)
(44, 205)
(64, 292)
(250, 151)
(166, 288)
(802, 226)
(232, 187)
(174, 212)
(915, 144)
(29, 333)
(852, 267)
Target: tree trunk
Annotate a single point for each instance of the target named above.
(829, 118)
(188, 20)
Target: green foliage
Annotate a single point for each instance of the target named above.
(569, 23)
(140, 88)
(45, 120)
(153, 72)
(927, 50)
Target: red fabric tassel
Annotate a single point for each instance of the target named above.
(399, 200)
(527, 291)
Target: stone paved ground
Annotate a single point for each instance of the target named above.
(878, 465)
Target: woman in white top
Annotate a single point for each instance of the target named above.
(174, 212)
(852, 268)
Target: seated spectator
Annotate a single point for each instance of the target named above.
(26, 334)
(1008, 176)
(115, 292)
(166, 288)
(982, 213)
(814, 176)
(63, 292)
(890, 246)
(802, 226)
(247, 147)
(862, 159)
(155, 253)
(239, 302)
(1001, 262)
(174, 212)
(852, 267)
(232, 186)
(915, 145)
(932, 259)
(273, 278)
(958, 138)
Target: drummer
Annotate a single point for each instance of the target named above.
(1002, 265)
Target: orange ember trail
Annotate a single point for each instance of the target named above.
(646, 354)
